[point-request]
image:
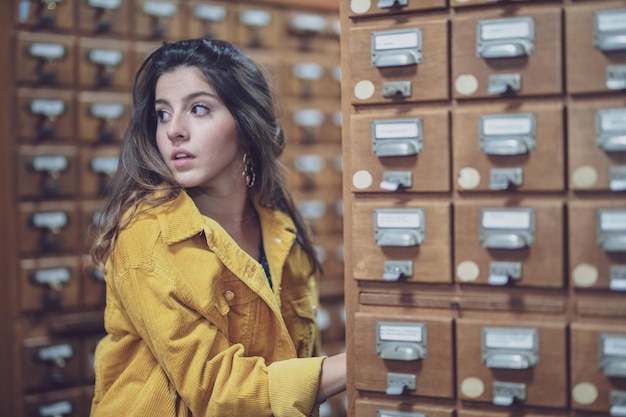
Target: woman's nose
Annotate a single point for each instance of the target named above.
(177, 129)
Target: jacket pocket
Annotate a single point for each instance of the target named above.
(304, 327)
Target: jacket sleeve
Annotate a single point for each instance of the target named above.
(212, 376)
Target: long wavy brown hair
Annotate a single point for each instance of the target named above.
(142, 176)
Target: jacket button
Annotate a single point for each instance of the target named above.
(229, 295)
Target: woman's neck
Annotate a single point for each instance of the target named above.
(235, 212)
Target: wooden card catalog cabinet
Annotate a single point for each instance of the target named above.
(45, 60)
(596, 47)
(104, 17)
(322, 210)
(307, 78)
(598, 367)
(406, 64)
(312, 33)
(498, 246)
(51, 363)
(104, 64)
(597, 145)
(396, 243)
(518, 55)
(158, 19)
(509, 365)
(401, 151)
(97, 170)
(58, 403)
(597, 244)
(330, 252)
(47, 171)
(45, 14)
(498, 150)
(469, 3)
(102, 116)
(47, 227)
(399, 408)
(45, 116)
(259, 27)
(213, 20)
(406, 355)
(314, 167)
(311, 122)
(49, 284)
(366, 8)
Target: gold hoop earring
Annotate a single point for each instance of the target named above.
(248, 171)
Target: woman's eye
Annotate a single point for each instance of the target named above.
(162, 115)
(199, 109)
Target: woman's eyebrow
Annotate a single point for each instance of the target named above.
(188, 98)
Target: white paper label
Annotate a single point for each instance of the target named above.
(157, 8)
(56, 410)
(396, 220)
(257, 18)
(55, 352)
(309, 163)
(404, 40)
(613, 120)
(50, 163)
(53, 275)
(308, 22)
(613, 221)
(320, 253)
(401, 333)
(108, 57)
(308, 117)
(308, 71)
(509, 125)
(210, 13)
(110, 111)
(52, 220)
(47, 107)
(386, 413)
(337, 74)
(313, 209)
(47, 50)
(338, 118)
(611, 20)
(614, 345)
(505, 30)
(501, 219)
(399, 130)
(510, 339)
(104, 165)
(105, 4)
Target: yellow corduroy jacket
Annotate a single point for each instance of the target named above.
(193, 327)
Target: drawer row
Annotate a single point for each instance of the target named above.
(512, 146)
(45, 116)
(496, 242)
(53, 362)
(62, 61)
(517, 243)
(517, 362)
(524, 51)
(487, 148)
(71, 283)
(245, 23)
(63, 226)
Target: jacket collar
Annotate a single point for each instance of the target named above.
(180, 219)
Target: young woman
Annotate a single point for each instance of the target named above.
(211, 276)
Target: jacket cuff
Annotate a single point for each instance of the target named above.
(293, 385)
